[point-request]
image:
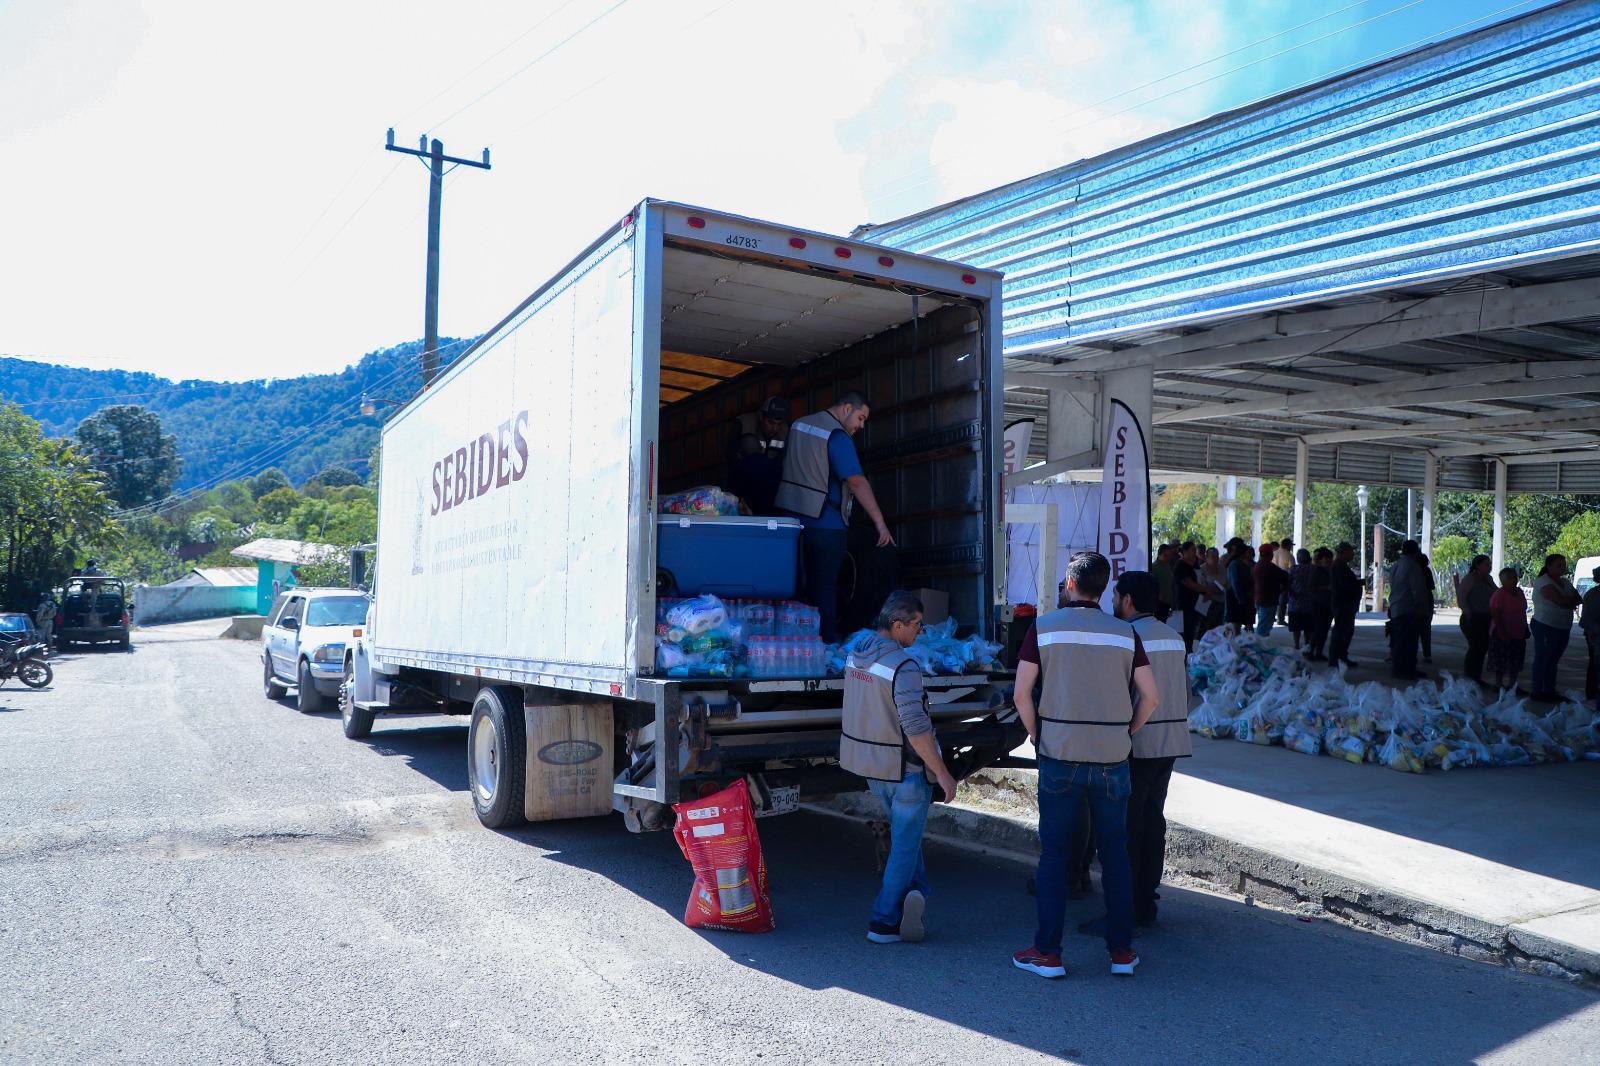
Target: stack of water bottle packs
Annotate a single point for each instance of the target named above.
(707, 636)
(937, 651)
(1260, 694)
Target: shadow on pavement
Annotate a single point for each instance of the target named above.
(438, 752)
(1219, 980)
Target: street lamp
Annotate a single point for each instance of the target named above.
(1361, 502)
(369, 404)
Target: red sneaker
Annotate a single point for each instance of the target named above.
(1035, 961)
(1123, 962)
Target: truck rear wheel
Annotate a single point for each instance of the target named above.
(497, 751)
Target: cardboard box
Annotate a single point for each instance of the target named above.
(935, 606)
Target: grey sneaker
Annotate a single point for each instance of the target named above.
(911, 919)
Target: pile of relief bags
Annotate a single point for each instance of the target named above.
(708, 637)
(1261, 694)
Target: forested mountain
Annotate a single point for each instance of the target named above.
(233, 429)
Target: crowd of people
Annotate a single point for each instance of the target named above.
(1316, 595)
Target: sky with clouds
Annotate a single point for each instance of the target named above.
(199, 189)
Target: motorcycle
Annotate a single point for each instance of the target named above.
(25, 662)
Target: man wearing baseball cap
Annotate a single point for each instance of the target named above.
(755, 454)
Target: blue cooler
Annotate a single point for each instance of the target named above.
(731, 557)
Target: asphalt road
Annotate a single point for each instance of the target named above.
(191, 873)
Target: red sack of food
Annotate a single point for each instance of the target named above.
(718, 837)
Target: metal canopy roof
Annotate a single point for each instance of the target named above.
(1394, 262)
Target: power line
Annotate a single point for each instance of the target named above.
(275, 451)
(502, 83)
(496, 54)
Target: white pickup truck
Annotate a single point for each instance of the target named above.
(303, 644)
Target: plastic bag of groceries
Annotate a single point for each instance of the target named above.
(1398, 753)
(705, 500)
(718, 837)
(698, 615)
(1302, 732)
(1208, 721)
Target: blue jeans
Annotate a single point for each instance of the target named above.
(1264, 616)
(906, 804)
(1549, 644)
(1062, 786)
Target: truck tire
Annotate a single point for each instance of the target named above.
(270, 684)
(357, 723)
(497, 751)
(125, 642)
(306, 697)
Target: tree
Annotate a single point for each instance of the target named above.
(1579, 538)
(1450, 555)
(53, 509)
(125, 443)
(269, 479)
(277, 505)
(333, 477)
(1184, 512)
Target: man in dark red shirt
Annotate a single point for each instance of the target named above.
(1269, 580)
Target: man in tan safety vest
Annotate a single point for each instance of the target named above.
(819, 465)
(1093, 667)
(1160, 743)
(887, 737)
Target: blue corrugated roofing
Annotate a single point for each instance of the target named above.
(1475, 154)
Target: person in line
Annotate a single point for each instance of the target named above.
(1190, 594)
(1099, 690)
(1299, 597)
(1166, 554)
(819, 464)
(1157, 746)
(1407, 589)
(1283, 557)
(1425, 616)
(44, 617)
(887, 737)
(1320, 613)
(1473, 593)
(755, 454)
(1241, 585)
(1589, 624)
(1214, 576)
(1508, 632)
(1267, 578)
(1345, 590)
(1554, 600)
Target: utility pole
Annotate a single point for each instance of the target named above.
(434, 155)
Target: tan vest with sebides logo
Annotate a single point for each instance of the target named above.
(871, 743)
(1086, 659)
(1166, 734)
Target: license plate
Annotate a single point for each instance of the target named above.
(785, 800)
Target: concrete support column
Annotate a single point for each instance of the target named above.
(1258, 510)
(1411, 514)
(1430, 495)
(1302, 466)
(1227, 500)
(1072, 427)
(1497, 551)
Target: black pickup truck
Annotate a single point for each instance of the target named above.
(94, 610)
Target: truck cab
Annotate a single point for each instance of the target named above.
(303, 643)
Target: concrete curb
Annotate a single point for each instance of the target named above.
(1256, 875)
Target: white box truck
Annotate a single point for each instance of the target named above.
(516, 577)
